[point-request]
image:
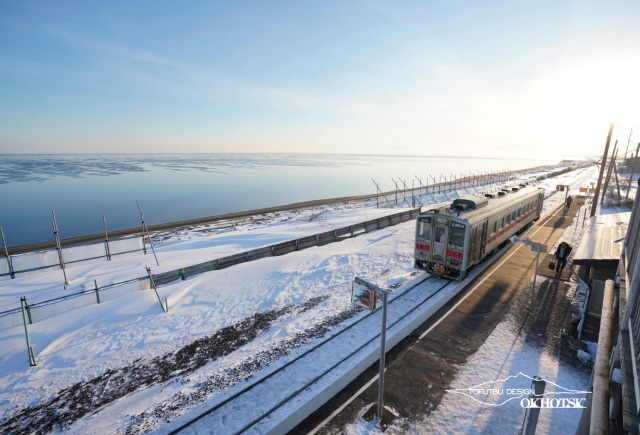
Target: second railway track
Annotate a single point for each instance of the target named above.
(279, 399)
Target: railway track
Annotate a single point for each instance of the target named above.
(333, 411)
(317, 370)
(223, 416)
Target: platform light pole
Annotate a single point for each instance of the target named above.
(566, 195)
(602, 165)
(366, 294)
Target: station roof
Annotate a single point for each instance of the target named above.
(598, 246)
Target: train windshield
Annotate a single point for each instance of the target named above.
(424, 228)
(456, 236)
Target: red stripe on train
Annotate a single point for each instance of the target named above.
(422, 247)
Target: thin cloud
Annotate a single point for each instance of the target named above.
(102, 48)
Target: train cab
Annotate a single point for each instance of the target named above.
(451, 240)
(440, 242)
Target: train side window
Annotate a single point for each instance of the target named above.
(456, 235)
(502, 224)
(513, 216)
(495, 227)
(424, 228)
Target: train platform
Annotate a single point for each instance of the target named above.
(421, 368)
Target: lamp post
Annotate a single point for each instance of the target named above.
(366, 294)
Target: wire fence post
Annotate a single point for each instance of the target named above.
(106, 238)
(145, 230)
(6, 253)
(59, 248)
(32, 357)
(165, 304)
(377, 193)
(394, 182)
(381, 193)
(420, 181)
(95, 283)
(406, 188)
(400, 190)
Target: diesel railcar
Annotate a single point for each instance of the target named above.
(452, 239)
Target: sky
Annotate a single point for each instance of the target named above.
(421, 77)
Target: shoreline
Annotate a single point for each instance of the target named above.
(99, 237)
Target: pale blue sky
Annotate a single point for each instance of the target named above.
(405, 77)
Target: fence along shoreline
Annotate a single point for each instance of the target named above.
(167, 226)
(281, 248)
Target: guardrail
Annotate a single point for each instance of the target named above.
(285, 247)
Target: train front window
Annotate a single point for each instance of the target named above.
(424, 228)
(456, 235)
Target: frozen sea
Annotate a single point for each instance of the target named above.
(82, 189)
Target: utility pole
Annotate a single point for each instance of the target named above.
(594, 205)
(609, 172)
(635, 162)
(627, 149)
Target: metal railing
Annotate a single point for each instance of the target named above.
(286, 247)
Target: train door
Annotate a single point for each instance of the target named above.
(483, 237)
(473, 245)
(440, 237)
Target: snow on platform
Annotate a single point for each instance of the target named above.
(604, 241)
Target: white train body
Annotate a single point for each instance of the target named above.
(451, 240)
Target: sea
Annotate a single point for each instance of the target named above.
(84, 191)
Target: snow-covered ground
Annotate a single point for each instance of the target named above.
(296, 291)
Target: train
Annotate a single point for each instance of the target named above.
(452, 239)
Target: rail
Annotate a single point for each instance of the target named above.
(325, 371)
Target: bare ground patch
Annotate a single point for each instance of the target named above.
(70, 404)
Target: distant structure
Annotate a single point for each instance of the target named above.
(612, 260)
(625, 368)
